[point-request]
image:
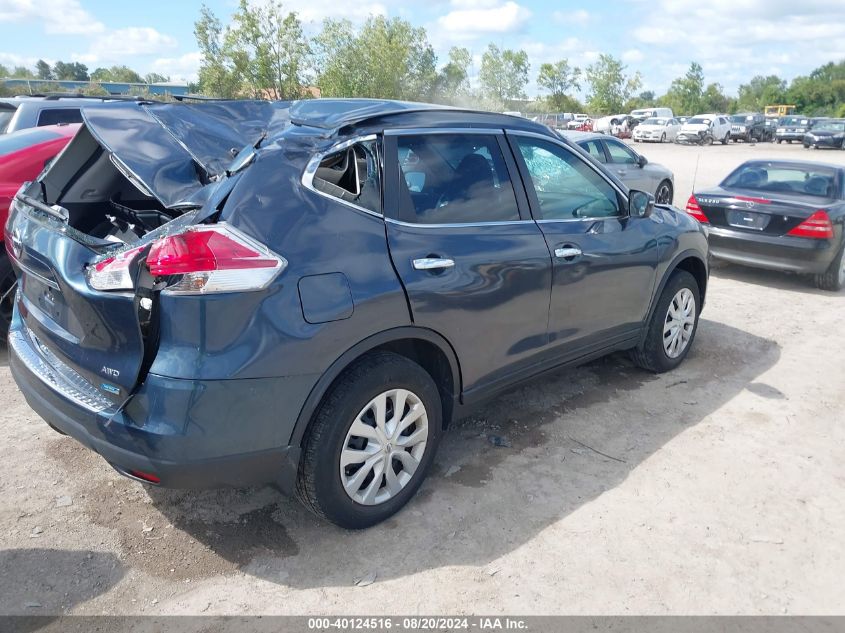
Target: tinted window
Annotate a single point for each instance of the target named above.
(619, 153)
(566, 186)
(813, 181)
(6, 115)
(54, 116)
(594, 149)
(25, 138)
(352, 175)
(454, 179)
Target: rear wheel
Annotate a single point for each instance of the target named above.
(663, 137)
(371, 443)
(834, 277)
(664, 193)
(7, 294)
(673, 325)
(726, 139)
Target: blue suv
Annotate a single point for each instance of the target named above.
(306, 294)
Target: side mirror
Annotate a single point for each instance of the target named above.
(642, 161)
(640, 204)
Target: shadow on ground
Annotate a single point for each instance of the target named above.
(770, 278)
(568, 438)
(36, 581)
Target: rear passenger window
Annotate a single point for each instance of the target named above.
(352, 175)
(454, 179)
(54, 116)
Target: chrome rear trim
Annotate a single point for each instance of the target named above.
(56, 374)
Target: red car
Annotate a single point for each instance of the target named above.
(23, 155)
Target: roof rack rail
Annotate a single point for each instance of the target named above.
(55, 96)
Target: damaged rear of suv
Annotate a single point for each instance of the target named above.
(237, 293)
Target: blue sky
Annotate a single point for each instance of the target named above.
(732, 39)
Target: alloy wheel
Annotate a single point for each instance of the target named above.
(384, 447)
(679, 324)
(664, 194)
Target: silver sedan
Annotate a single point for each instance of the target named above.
(631, 168)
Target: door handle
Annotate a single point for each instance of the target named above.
(567, 252)
(433, 263)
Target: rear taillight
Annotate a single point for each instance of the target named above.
(213, 258)
(113, 273)
(695, 211)
(817, 226)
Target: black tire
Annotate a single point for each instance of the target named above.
(670, 194)
(319, 486)
(650, 354)
(663, 137)
(833, 278)
(779, 141)
(726, 139)
(7, 294)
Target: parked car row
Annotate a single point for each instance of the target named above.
(478, 251)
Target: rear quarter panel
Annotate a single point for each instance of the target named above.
(264, 333)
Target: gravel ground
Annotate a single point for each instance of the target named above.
(717, 488)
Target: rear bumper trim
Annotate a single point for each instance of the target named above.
(55, 374)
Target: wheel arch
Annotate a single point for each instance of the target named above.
(691, 261)
(425, 347)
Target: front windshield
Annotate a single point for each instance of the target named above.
(794, 120)
(699, 120)
(655, 121)
(741, 118)
(830, 126)
(809, 180)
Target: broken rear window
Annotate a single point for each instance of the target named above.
(352, 175)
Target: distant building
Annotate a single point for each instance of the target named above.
(36, 86)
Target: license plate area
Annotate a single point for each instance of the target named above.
(748, 220)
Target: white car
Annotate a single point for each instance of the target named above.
(648, 113)
(657, 129)
(577, 121)
(705, 129)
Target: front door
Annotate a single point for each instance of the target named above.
(474, 265)
(626, 163)
(604, 261)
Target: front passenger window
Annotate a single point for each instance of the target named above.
(566, 186)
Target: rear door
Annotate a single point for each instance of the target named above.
(474, 265)
(604, 261)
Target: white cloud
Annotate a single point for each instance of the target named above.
(182, 68)
(484, 18)
(633, 56)
(314, 12)
(578, 17)
(115, 46)
(58, 17)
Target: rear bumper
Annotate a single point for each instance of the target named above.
(188, 434)
(793, 254)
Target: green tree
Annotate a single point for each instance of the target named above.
(504, 74)
(155, 78)
(72, 71)
(122, 74)
(4, 72)
(43, 70)
(760, 92)
(558, 80)
(216, 75)
(713, 99)
(386, 58)
(22, 72)
(820, 93)
(610, 88)
(685, 93)
(452, 83)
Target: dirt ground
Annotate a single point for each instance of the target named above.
(716, 489)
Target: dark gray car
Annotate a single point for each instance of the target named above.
(314, 312)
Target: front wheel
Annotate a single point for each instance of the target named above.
(726, 139)
(833, 278)
(371, 443)
(664, 193)
(663, 137)
(672, 327)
